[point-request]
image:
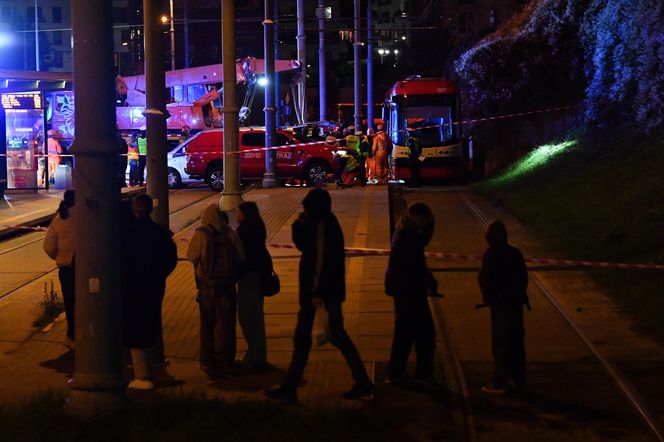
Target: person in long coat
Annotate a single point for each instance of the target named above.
(59, 245)
(409, 282)
(322, 277)
(503, 280)
(251, 230)
(150, 257)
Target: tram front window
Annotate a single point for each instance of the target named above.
(430, 124)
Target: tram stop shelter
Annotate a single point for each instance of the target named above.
(24, 116)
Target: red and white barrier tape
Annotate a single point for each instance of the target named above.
(322, 142)
(550, 261)
(37, 228)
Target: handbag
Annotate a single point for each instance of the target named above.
(270, 284)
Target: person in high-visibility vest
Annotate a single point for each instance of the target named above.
(143, 156)
(133, 157)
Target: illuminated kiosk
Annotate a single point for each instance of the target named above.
(24, 105)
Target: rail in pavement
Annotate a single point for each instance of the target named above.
(43, 362)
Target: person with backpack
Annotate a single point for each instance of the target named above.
(317, 234)
(59, 245)
(409, 282)
(151, 245)
(258, 263)
(503, 279)
(217, 254)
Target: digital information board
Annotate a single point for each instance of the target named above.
(22, 100)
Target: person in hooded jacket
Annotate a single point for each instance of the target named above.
(409, 282)
(153, 247)
(503, 279)
(251, 230)
(322, 277)
(59, 245)
(217, 254)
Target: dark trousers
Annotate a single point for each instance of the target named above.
(133, 172)
(218, 318)
(413, 325)
(339, 338)
(507, 345)
(363, 170)
(67, 278)
(142, 160)
(415, 175)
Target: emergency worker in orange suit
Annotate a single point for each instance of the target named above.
(54, 151)
(381, 150)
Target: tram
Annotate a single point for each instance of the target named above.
(424, 111)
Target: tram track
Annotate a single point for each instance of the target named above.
(35, 276)
(620, 381)
(467, 422)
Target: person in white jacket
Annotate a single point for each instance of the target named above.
(59, 245)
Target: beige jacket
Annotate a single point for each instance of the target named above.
(59, 241)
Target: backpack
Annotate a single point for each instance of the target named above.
(217, 265)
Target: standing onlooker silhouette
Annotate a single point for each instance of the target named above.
(317, 234)
(151, 257)
(251, 230)
(217, 253)
(59, 245)
(409, 281)
(503, 279)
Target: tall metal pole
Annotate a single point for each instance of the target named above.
(269, 179)
(97, 386)
(302, 58)
(357, 68)
(187, 60)
(172, 35)
(277, 97)
(322, 84)
(36, 38)
(155, 109)
(231, 197)
(370, 98)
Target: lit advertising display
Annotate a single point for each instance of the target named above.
(22, 100)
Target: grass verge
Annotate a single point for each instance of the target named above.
(599, 198)
(189, 417)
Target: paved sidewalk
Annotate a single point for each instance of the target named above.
(43, 362)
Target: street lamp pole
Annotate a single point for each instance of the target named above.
(370, 107)
(357, 68)
(97, 386)
(269, 179)
(36, 38)
(322, 85)
(172, 34)
(231, 197)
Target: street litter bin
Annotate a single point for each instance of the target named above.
(63, 178)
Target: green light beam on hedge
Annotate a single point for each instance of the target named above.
(535, 159)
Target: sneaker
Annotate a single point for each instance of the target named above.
(141, 384)
(495, 388)
(360, 392)
(282, 394)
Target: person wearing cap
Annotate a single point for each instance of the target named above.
(381, 151)
(185, 133)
